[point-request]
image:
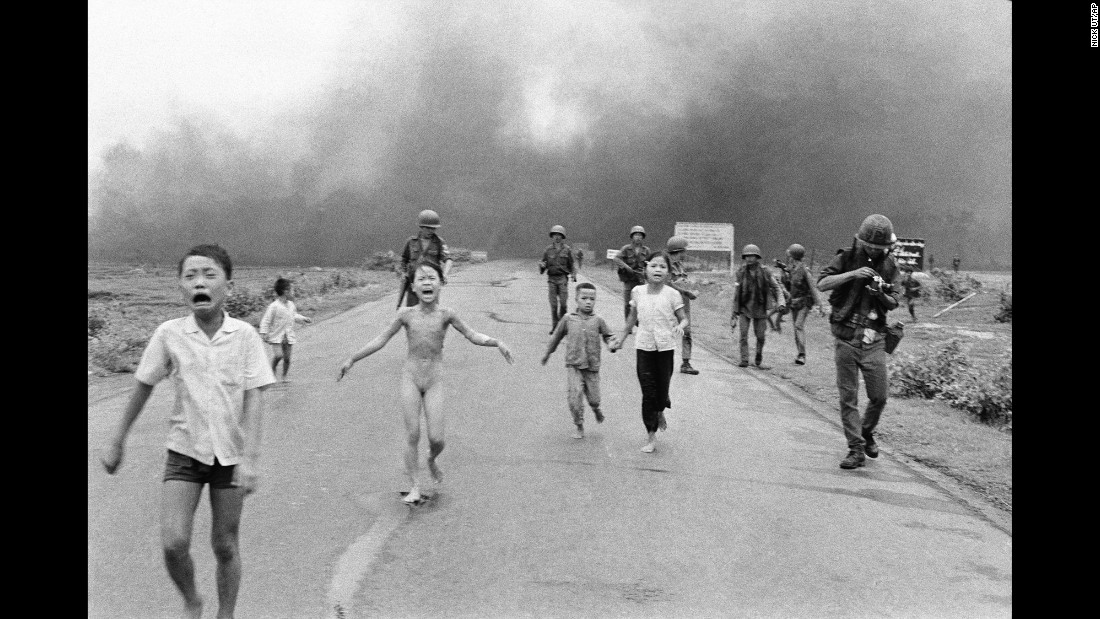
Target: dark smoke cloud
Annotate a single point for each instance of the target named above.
(792, 122)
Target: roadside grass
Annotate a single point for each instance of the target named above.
(932, 432)
(127, 302)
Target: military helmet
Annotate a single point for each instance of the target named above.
(557, 230)
(428, 218)
(877, 231)
(636, 229)
(751, 250)
(676, 243)
(796, 251)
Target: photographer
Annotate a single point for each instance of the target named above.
(862, 279)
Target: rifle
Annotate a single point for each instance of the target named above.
(404, 290)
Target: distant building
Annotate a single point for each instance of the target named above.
(909, 252)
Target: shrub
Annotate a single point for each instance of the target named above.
(244, 302)
(953, 287)
(118, 352)
(987, 392)
(926, 376)
(381, 261)
(1005, 313)
(983, 390)
(97, 322)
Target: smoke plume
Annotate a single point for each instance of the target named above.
(793, 121)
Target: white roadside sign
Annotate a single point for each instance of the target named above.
(612, 254)
(706, 236)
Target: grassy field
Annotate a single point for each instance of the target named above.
(954, 442)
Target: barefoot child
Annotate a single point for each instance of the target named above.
(658, 311)
(277, 325)
(421, 377)
(582, 331)
(218, 367)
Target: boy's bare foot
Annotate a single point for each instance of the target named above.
(648, 448)
(437, 473)
(193, 610)
(578, 432)
(413, 496)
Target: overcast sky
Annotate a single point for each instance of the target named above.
(242, 60)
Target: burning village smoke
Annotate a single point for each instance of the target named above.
(793, 121)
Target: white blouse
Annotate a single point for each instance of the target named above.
(656, 317)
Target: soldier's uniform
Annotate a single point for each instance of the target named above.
(858, 323)
(416, 254)
(635, 257)
(559, 267)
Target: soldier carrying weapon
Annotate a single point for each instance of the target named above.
(426, 246)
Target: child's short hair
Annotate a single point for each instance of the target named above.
(282, 285)
(215, 252)
(438, 269)
(585, 286)
(660, 254)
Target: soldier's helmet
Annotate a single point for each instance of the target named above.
(428, 218)
(637, 229)
(751, 250)
(877, 231)
(557, 230)
(796, 251)
(676, 243)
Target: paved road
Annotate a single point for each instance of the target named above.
(741, 512)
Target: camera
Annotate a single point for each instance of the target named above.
(880, 285)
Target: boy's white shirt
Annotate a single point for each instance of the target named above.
(210, 376)
(278, 321)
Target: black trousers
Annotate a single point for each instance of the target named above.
(654, 375)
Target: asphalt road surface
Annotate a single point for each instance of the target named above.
(741, 512)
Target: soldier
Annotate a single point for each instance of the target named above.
(912, 290)
(756, 292)
(425, 247)
(678, 280)
(803, 297)
(557, 263)
(631, 262)
(785, 288)
(862, 282)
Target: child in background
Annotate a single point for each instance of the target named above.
(422, 375)
(582, 330)
(658, 311)
(277, 325)
(219, 369)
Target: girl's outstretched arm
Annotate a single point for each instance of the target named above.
(373, 346)
(480, 338)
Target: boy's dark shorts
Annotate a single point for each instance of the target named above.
(185, 468)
